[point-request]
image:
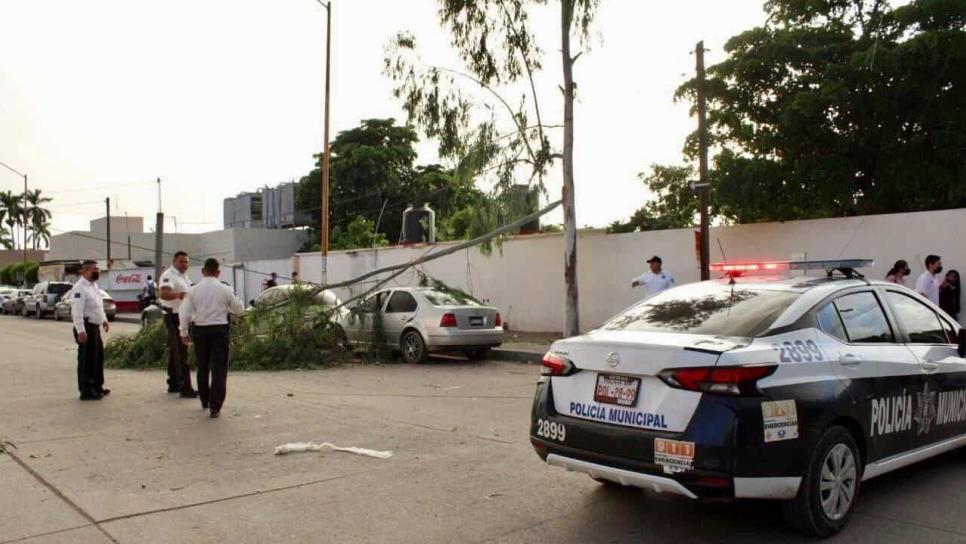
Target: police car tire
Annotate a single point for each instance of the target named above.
(804, 512)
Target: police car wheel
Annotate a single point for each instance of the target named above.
(413, 347)
(826, 498)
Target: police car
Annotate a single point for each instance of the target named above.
(762, 386)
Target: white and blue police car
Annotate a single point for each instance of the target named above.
(762, 386)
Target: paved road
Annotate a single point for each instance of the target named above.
(144, 466)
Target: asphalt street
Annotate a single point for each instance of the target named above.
(144, 466)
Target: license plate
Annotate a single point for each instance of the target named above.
(619, 390)
(476, 321)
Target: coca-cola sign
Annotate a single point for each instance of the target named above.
(127, 280)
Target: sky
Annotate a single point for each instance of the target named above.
(102, 97)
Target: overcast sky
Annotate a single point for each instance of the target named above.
(98, 98)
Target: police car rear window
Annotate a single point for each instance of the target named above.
(713, 309)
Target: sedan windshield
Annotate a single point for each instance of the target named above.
(706, 308)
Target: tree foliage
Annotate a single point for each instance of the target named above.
(674, 205)
(839, 107)
(373, 177)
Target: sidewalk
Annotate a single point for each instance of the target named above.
(524, 347)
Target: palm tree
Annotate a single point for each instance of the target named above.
(10, 204)
(39, 217)
(6, 241)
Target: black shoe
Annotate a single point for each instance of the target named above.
(173, 390)
(105, 392)
(189, 394)
(215, 414)
(91, 396)
(204, 405)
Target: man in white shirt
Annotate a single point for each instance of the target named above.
(207, 308)
(174, 288)
(87, 313)
(928, 283)
(656, 280)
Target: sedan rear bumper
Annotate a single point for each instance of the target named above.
(460, 338)
(624, 477)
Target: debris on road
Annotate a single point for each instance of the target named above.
(295, 447)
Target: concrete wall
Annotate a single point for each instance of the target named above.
(10, 256)
(525, 279)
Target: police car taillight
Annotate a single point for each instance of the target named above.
(738, 381)
(555, 365)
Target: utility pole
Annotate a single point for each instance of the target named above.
(26, 224)
(127, 227)
(158, 243)
(703, 164)
(324, 242)
(107, 203)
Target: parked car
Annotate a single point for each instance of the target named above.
(12, 304)
(418, 321)
(43, 298)
(62, 308)
(7, 296)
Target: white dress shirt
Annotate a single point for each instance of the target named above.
(655, 283)
(178, 282)
(86, 303)
(208, 303)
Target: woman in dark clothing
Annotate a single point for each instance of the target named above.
(949, 294)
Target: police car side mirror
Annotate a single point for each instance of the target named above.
(962, 342)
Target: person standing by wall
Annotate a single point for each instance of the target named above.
(655, 280)
(87, 313)
(272, 281)
(950, 292)
(207, 307)
(174, 288)
(898, 273)
(928, 283)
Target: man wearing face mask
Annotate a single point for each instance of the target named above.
(87, 313)
(928, 283)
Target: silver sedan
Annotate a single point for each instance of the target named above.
(419, 321)
(62, 308)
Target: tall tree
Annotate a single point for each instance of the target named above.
(13, 211)
(474, 122)
(6, 238)
(373, 177)
(39, 218)
(839, 107)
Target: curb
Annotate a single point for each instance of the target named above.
(515, 356)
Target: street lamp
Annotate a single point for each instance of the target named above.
(324, 242)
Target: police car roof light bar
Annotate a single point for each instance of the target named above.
(847, 267)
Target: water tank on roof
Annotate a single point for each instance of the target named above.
(419, 225)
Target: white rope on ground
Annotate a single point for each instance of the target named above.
(296, 447)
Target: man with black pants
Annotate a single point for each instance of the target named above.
(87, 313)
(207, 307)
(174, 288)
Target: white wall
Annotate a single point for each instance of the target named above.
(525, 279)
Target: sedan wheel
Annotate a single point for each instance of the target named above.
(828, 491)
(413, 348)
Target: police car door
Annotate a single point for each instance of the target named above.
(934, 342)
(879, 372)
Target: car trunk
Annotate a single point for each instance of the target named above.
(617, 378)
(473, 317)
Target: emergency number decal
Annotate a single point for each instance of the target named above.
(551, 430)
(798, 351)
(780, 420)
(673, 455)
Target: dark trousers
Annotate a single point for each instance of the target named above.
(179, 376)
(211, 349)
(90, 361)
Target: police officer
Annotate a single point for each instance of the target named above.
(206, 308)
(87, 313)
(174, 288)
